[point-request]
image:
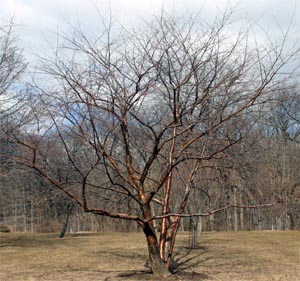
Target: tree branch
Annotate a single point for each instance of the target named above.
(216, 211)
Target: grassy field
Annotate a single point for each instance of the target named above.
(118, 256)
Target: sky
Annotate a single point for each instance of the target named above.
(38, 20)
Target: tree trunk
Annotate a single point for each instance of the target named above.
(235, 213)
(158, 267)
(292, 221)
(241, 214)
(16, 215)
(24, 215)
(212, 222)
(259, 220)
(199, 228)
(31, 216)
(64, 229)
(170, 242)
(194, 238)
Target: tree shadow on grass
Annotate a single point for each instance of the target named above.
(140, 275)
(186, 258)
(184, 261)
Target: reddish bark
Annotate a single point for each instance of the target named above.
(157, 264)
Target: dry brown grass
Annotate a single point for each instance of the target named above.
(255, 256)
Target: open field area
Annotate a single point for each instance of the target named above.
(118, 256)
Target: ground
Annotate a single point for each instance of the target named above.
(240, 256)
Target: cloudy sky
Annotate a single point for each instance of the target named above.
(39, 19)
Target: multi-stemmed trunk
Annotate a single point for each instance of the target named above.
(158, 266)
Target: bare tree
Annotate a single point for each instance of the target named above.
(133, 112)
(12, 66)
(283, 127)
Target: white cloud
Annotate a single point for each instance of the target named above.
(41, 18)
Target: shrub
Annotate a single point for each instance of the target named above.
(4, 228)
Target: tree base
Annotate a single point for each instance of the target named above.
(147, 275)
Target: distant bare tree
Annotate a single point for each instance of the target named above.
(131, 113)
(12, 66)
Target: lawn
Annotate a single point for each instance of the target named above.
(221, 256)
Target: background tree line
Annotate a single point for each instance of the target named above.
(266, 168)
